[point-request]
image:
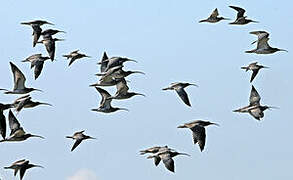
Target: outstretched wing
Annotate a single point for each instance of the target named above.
(77, 142)
(240, 11)
(254, 98)
(214, 14)
(199, 136)
(13, 122)
(183, 95)
(19, 78)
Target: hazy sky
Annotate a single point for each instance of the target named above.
(169, 45)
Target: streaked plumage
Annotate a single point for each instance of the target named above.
(241, 19)
(166, 156)
(105, 104)
(154, 150)
(21, 166)
(198, 131)
(254, 67)
(214, 17)
(179, 88)
(19, 82)
(37, 30)
(116, 61)
(78, 137)
(122, 91)
(74, 55)
(50, 45)
(263, 46)
(254, 108)
(17, 132)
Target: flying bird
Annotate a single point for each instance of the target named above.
(198, 131)
(254, 108)
(254, 67)
(74, 55)
(17, 132)
(48, 33)
(49, 43)
(214, 17)
(21, 166)
(241, 19)
(116, 61)
(78, 137)
(37, 30)
(263, 46)
(19, 82)
(105, 104)
(122, 91)
(26, 102)
(154, 149)
(166, 156)
(179, 88)
(117, 72)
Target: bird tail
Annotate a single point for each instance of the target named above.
(67, 56)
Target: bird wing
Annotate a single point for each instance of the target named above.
(256, 113)
(19, 78)
(72, 60)
(73, 52)
(50, 47)
(105, 101)
(19, 162)
(183, 95)
(254, 73)
(37, 30)
(240, 11)
(13, 122)
(77, 142)
(104, 63)
(20, 99)
(254, 98)
(22, 103)
(2, 125)
(214, 14)
(22, 171)
(263, 43)
(168, 161)
(199, 136)
(38, 68)
(122, 87)
(157, 160)
(260, 34)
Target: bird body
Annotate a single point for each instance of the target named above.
(78, 137)
(254, 67)
(19, 82)
(166, 155)
(179, 88)
(21, 166)
(214, 17)
(254, 108)
(74, 55)
(116, 61)
(50, 45)
(263, 46)
(105, 104)
(198, 131)
(241, 19)
(17, 132)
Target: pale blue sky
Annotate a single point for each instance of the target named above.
(169, 45)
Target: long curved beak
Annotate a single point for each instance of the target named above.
(69, 137)
(215, 124)
(181, 126)
(124, 109)
(254, 21)
(91, 138)
(60, 39)
(38, 166)
(283, 50)
(62, 31)
(131, 60)
(184, 154)
(50, 23)
(4, 90)
(204, 20)
(38, 136)
(141, 94)
(88, 56)
(46, 104)
(139, 72)
(226, 19)
(193, 85)
(265, 67)
(38, 90)
(273, 107)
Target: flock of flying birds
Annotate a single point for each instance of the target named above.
(113, 74)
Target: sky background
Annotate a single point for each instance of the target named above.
(169, 45)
